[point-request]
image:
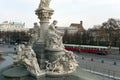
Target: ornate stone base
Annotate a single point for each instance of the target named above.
(59, 62)
(39, 49)
(53, 54)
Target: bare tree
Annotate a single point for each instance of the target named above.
(111, 29)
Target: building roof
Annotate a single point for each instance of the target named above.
(79, 26)
(68, 28)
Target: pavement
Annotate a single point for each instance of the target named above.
(114, 56)
(104, 65)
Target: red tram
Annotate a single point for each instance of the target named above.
(71, 47)
(87, 48)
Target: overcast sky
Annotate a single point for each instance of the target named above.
(91, 12)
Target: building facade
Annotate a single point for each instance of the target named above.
(73, 28)
(12, 26)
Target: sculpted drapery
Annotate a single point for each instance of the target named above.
(44, 4)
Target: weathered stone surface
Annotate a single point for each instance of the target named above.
(39, 49)
(27, 57)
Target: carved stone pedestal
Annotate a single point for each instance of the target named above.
(39, 49)
(53, 54)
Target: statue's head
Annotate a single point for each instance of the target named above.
(35, 24)
(55, 22)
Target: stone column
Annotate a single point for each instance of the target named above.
(44, 15)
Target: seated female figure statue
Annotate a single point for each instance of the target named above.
(54, 37)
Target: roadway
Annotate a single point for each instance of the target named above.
(108, 65)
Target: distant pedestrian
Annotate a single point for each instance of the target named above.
(79, 51)
(14, 49)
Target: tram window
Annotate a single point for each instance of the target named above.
(94, 48)
(103, 49)
(68, 46)
(97, 48)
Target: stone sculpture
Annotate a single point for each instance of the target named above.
(55, 66)
(44, 4)
(64, 63)
(54, 37)
(27, 57)
(35, 34)
(70, 59)
(46, 54)
(17, 58)
(44, 13)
